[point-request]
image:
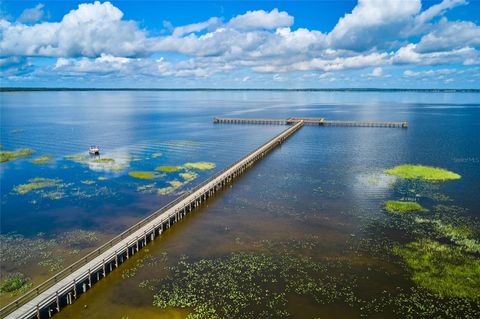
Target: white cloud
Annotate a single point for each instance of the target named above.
(450, 35)
(95, 39)
(196, 27)
(89, 31)
(409, 55)
(372, 23)
(437, 10)
(32, 15)
(376, 72)
(260, 19)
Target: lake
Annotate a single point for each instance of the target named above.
(302, 234)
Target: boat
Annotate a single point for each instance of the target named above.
(94, 150)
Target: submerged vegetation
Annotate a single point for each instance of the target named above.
(203, 166)
(142, 175)
(103, 160)
(42, 160)
(37, 183)
(443, 269)
(15, 283)
(6, 156)
(168, 169)
(427, 173)
(398, 207)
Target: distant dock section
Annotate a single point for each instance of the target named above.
(308, 121)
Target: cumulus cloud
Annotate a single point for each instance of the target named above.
(450, 35)
(32, 15)
(89, 31)
(261, 19)
(372, 23)
(376, 72)
(96, 39)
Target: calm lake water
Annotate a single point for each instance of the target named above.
(313, 206)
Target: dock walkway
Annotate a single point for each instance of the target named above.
(64, 288)
(308, 121)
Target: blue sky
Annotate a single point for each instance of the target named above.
(241, 44)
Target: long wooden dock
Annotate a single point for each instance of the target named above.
(65, 287)
(308, 121)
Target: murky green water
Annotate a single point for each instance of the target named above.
(302, 234)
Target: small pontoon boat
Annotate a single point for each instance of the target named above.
(94, 150)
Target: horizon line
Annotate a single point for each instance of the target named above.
(17, 89)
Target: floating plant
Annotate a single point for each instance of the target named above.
(168, 169)
(37, 183)
(200, 165)
(6, 156)
(446, 270)
(42, 160)
(88, 182)
(427, 173)
(15, 283)
(189, 176)
(142, 174)
(399, 207)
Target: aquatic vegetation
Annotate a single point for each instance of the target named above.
(52, 263)
(88, 182)
(54, 195)
(42, 160)
(189, 176)
(155, 155)
(142, 175)
(78, 239)
(103, 178)
(6, 156)
(168, 169)
(443, 269)
(37, 183)
(461, 235)
(244, 285)
(147, 189)
(15, 283)
(204, 166)
(174, 186)
(398, 207)
(75, 158)
(427, 173)
(117, 160)
(103, 160)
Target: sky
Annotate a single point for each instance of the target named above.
(240, 44)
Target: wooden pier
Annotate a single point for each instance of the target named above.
(65, 287)
(309, 121)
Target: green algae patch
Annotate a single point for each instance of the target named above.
(155, 155)
(36, 183)
(203, 166)
(398, 207)
(443, 269)
(15, 283)
(142, 175)
(188, 176)
(427, 173)
(42, 160)
(6, 156)
(103, 160)
(88, 182)
(74, 158)
(174, 186)
(168, 169)
(103, 178)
